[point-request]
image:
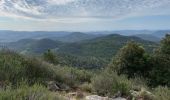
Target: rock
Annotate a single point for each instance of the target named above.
(96, 97)
(56, 86)
(64, 87)
(79, 94)
(72, 94)
(119, 98)
(143, 94)
(52, 86)
(118, 94)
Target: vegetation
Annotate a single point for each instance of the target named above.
(16, 68)
(108, 83)
(72, 76)
(133, 73)
(131, 60)
(162, 93)
(160, 74)
(87, 87)
(104, 47)
(82, 62)
(50, 57)
(25, 92)
(94, 53)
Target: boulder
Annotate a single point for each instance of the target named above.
(52, 86)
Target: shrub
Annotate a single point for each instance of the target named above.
(162, 93)
(15, 68)
(72, 76)
(109, 83)
(139, 83)
(131, 61)
(87, 87)
(24, 92)
(50, 57)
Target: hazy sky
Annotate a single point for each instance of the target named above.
(84, 15)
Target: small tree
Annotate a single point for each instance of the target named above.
(130, 60)
(165, 45)
(50, 57)
(160, 74)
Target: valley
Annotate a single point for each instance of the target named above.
(99, 48)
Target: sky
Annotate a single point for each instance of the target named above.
(84, 15)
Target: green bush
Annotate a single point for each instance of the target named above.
(24, 92)
(50, 57)
(162, 93)
(139, 83)
(72, 76)
(16, 68)
(131, 61)
(109, 83)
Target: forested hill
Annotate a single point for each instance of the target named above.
(33, 46)
(105, 46)
(77, 37)
(92, 53)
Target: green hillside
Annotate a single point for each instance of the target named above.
(83, 53)
(132, 74)
(104, 47)
(148, 37)
(43, 45)
(32, 46)
(76, 37)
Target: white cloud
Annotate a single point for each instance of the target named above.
(59, 2)
(54, 9)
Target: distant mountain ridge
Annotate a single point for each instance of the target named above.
(99, 47)
(155, 36)
(77, 36)
(12, 36)
(33, 45)
(105, 46)
(161, 33)
(149, 37)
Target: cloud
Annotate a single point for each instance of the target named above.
(59, 2)
(54, 9)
